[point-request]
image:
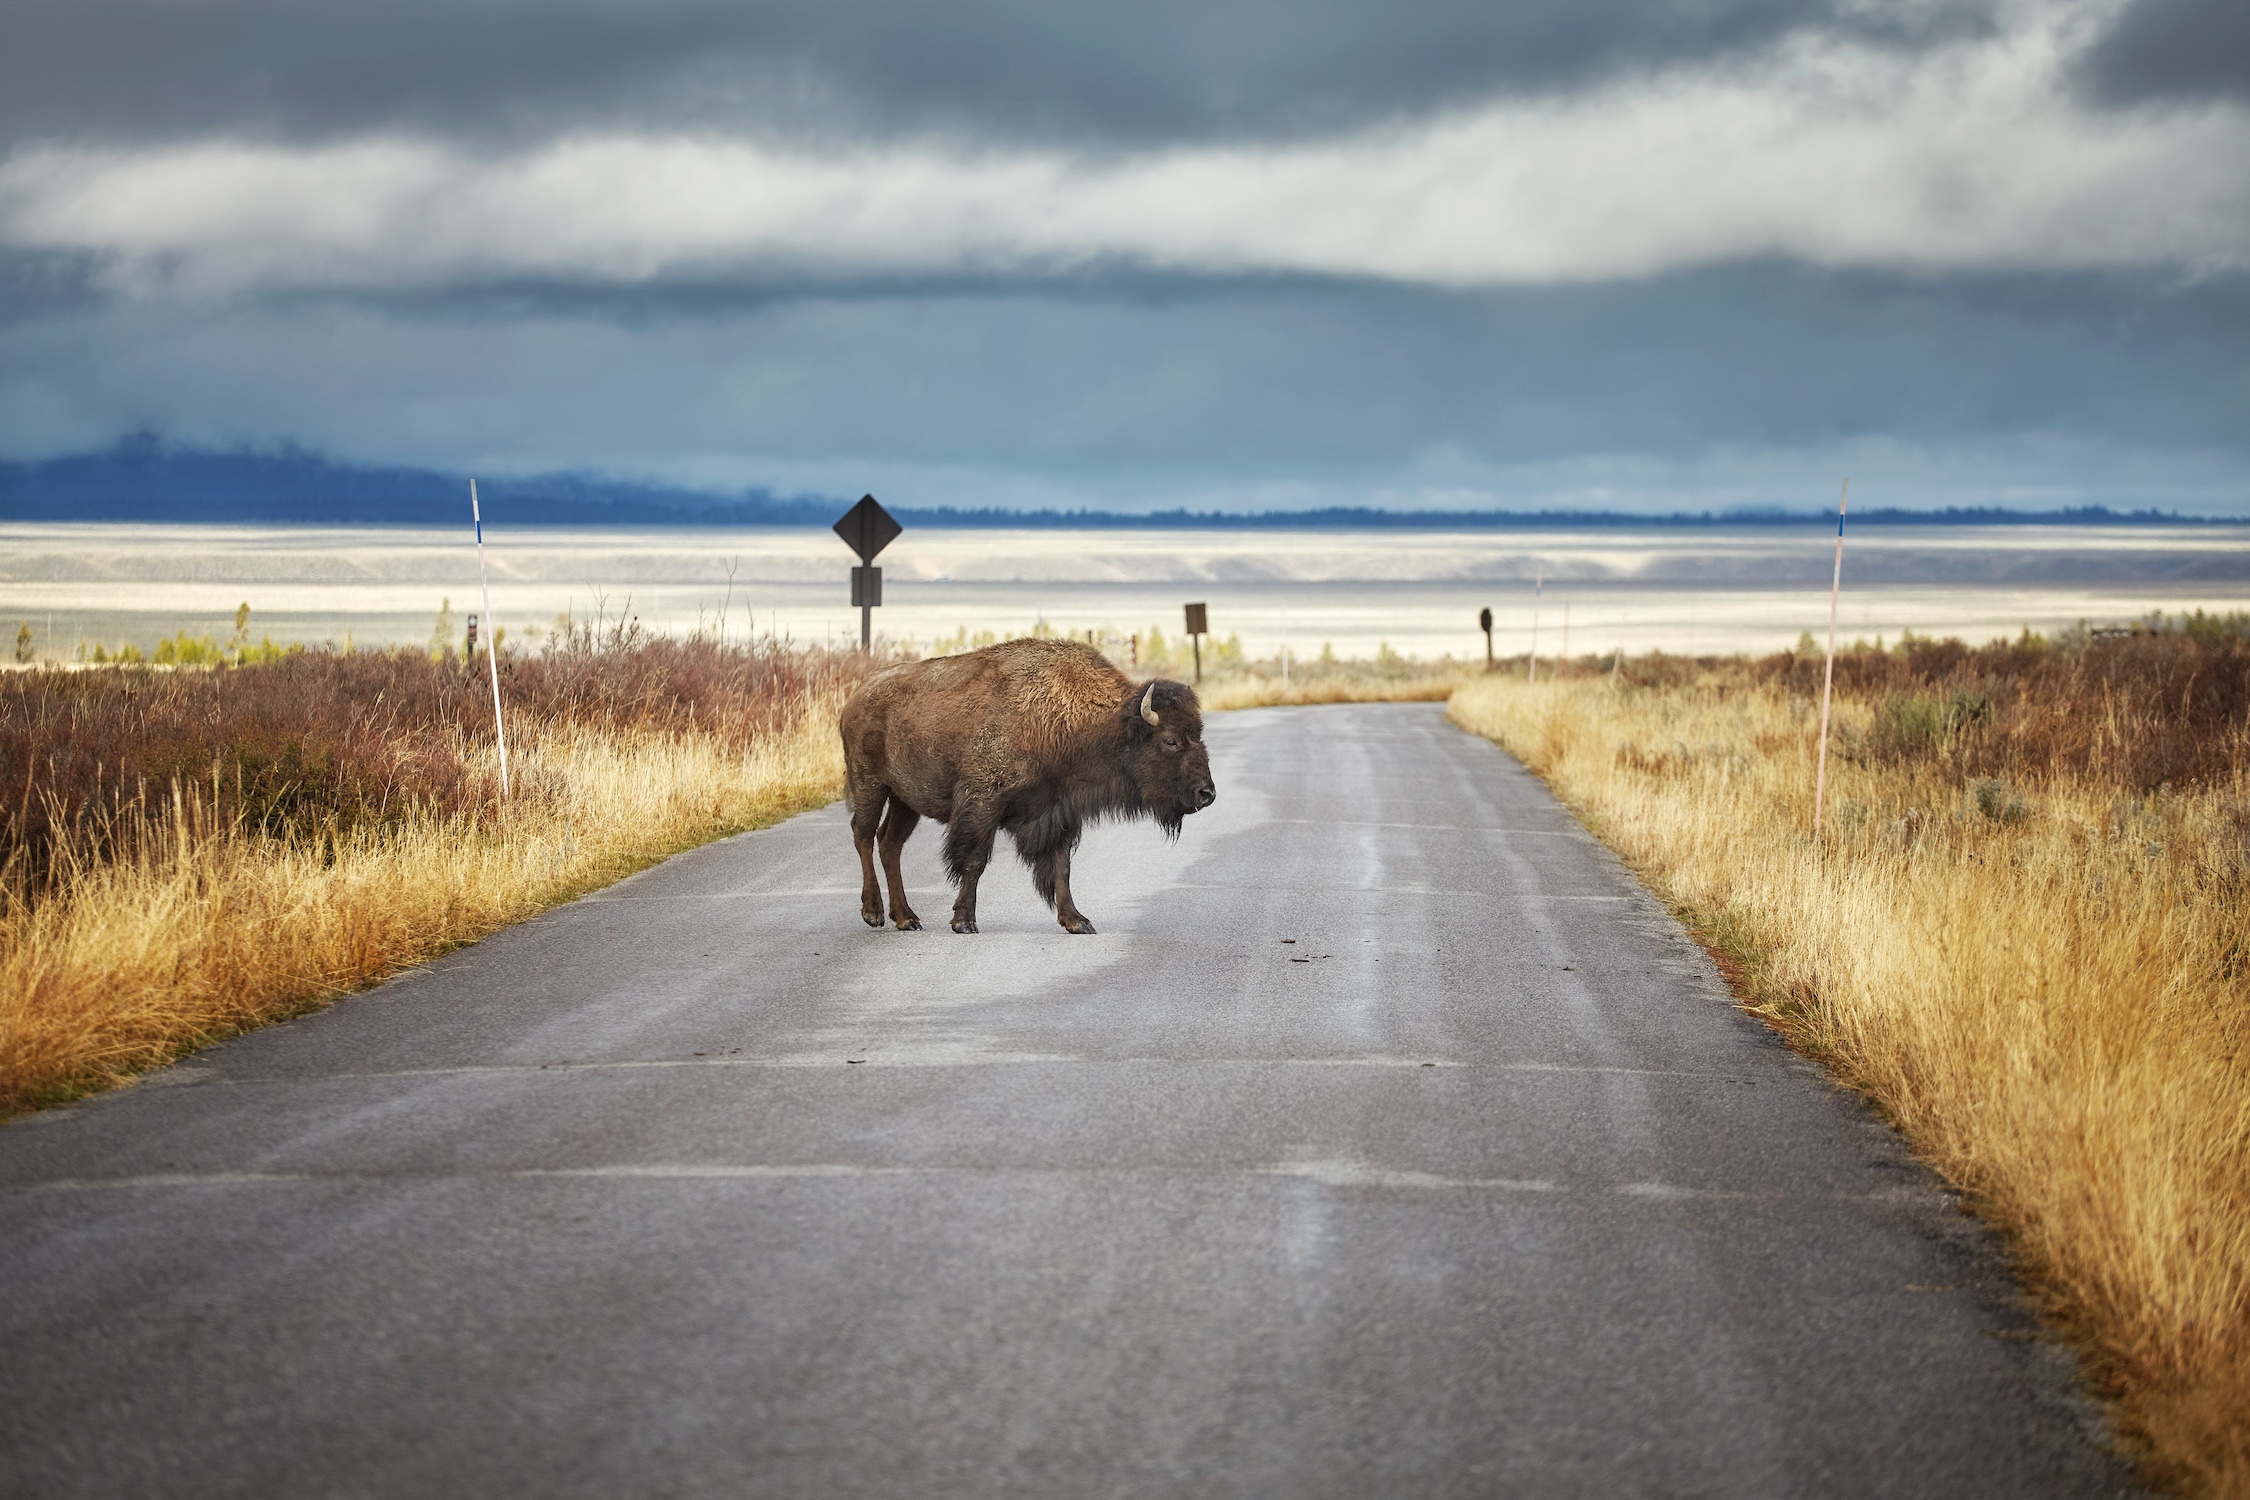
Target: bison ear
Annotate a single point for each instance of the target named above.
(1148, 704)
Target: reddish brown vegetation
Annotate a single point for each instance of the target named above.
(317, 744)
(2164, 707)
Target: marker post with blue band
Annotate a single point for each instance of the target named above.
(1828, 683)
(491, 640)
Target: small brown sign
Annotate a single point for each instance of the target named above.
(1198, 623)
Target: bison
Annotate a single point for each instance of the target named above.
(1035, 737)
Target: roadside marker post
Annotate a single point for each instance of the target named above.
(1538, 587)
(1198, 625)
(1828, 681)
(491, 641)
(1484, 623)
(867, 529)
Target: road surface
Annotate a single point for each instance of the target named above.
(1387, 1141)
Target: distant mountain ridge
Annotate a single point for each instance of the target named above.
(145, 478)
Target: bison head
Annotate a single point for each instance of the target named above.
(1164, 754)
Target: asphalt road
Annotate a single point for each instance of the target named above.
(1387, 1141)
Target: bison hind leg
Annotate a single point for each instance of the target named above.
(867, 811)
(898, 826)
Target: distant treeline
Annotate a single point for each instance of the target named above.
(145, 478)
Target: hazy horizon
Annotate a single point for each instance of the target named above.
(1710, 590)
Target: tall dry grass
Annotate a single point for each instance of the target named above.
(346, 822)
(2025, 934)
(1394, 680)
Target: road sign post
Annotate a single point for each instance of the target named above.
(1484, 623)
(1198, 625)
(867, 529)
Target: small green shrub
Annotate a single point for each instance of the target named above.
(1909, 726)
(184, 650)
(1999, 801)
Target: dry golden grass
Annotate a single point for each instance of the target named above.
(2045, 982)
(200, 932)
(1339, 682)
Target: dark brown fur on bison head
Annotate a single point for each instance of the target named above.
(1169, 766)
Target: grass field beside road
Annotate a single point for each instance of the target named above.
(2024, 933)
(193, 853)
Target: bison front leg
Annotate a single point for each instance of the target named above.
(1046, 846)
(1066, 910)
(968, 849)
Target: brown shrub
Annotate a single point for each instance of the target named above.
(315, 745)
(2162, 707)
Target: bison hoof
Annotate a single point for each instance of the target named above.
(872, 918)
(964, 924)
(1080, 926)
(910, 924)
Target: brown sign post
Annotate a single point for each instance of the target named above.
(867, 529)
(1484, 623)
(1198, 625)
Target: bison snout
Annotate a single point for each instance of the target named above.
(1205, 795)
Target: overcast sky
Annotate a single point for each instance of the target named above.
(1225, 253)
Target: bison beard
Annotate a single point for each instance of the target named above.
(1038, 738)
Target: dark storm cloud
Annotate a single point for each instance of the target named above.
(1271, 381)
(1258, 372)
(2170, 49)
(1085, 72)
(1076, 312)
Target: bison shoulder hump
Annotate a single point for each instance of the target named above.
(1059, 691)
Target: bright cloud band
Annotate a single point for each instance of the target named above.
(1841, 155)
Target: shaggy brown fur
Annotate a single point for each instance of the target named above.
(1035, 737)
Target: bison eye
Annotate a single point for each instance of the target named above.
(1171, 742)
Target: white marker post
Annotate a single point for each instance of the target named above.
(1538, 584)
(1828, 682)
(491, 641)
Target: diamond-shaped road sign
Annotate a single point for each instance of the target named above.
(867, 528)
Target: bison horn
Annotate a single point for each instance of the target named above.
(1148, 704)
